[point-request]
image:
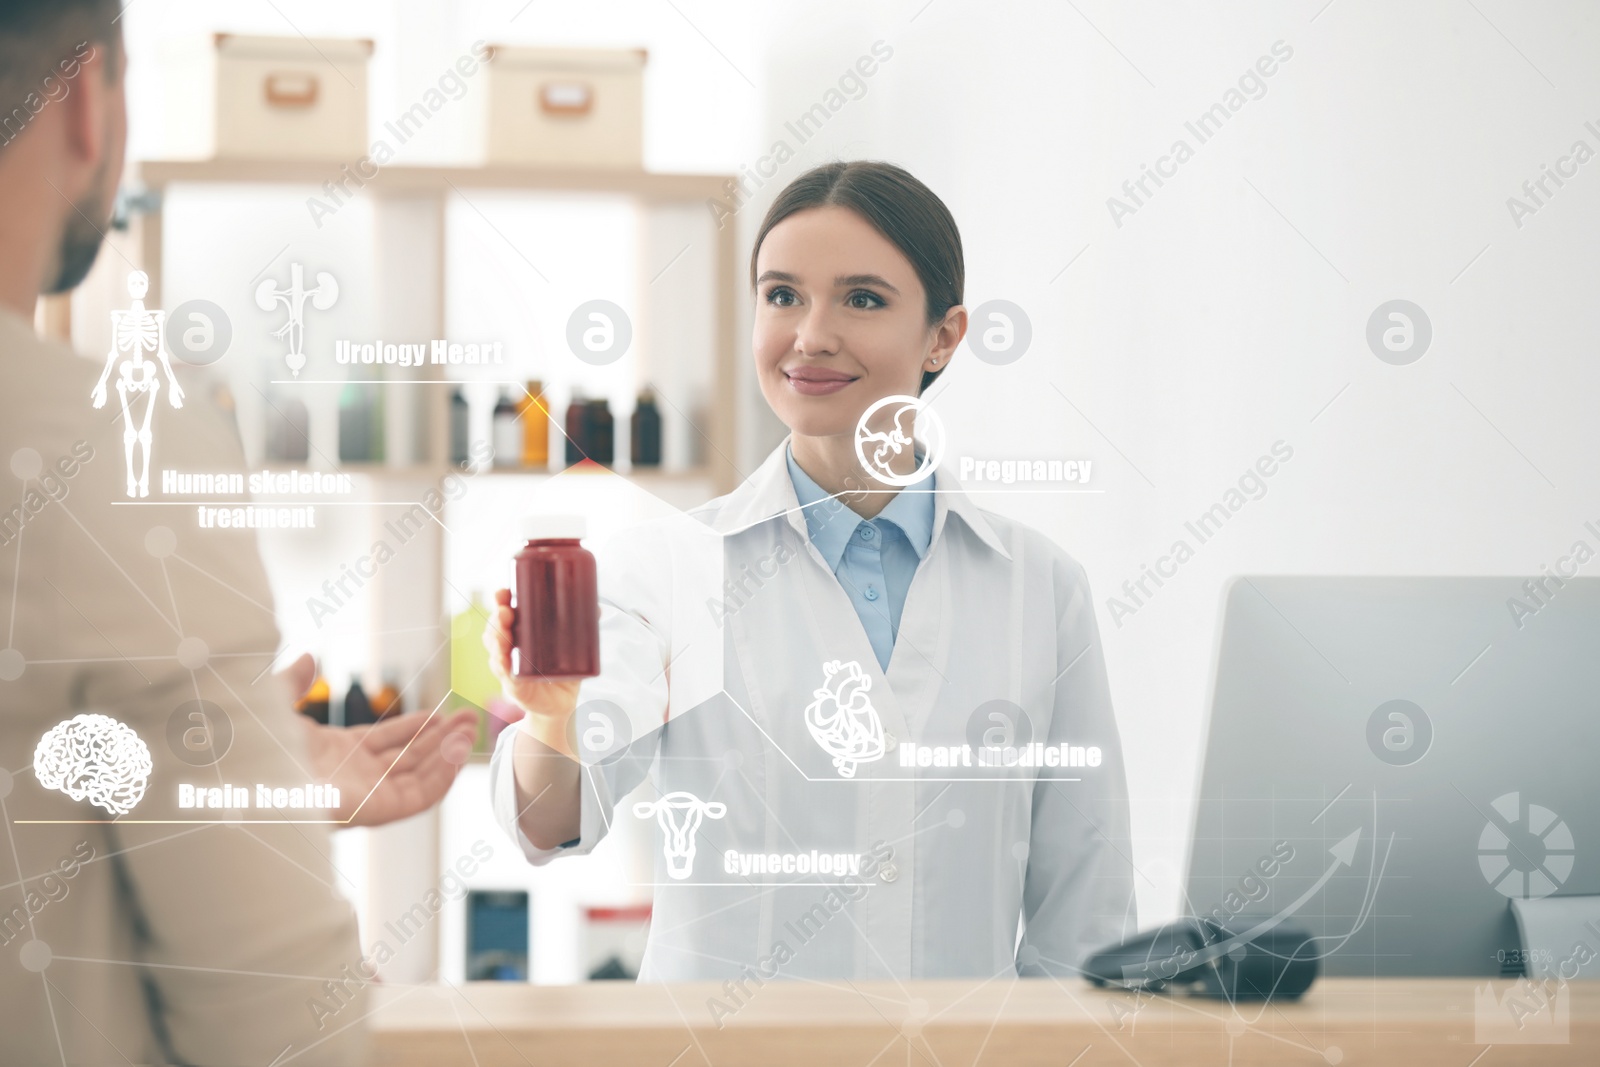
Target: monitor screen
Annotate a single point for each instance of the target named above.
(1391, 761)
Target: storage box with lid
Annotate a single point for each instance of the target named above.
(232, 96)
(565, 107)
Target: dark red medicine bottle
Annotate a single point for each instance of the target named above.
(556, 617)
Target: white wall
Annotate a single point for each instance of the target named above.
(1223, 315)
(1206, 327)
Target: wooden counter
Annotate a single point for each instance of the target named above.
(1415, 1022)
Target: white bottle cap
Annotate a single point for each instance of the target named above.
(539, 526)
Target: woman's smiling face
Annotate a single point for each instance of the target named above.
(841, 321)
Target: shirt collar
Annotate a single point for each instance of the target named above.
(770, 492)
(953, 500)
(830, 523)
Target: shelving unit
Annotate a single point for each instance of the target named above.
(406, 607)
(407, 195)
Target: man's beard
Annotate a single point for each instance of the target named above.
(80, 241)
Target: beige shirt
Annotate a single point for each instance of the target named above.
(160, 935)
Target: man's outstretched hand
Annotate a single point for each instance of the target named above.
(406, 763)
(392, 769)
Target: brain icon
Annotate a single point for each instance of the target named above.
(95, 758)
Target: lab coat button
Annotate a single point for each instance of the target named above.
(890, 742)
(888, 872)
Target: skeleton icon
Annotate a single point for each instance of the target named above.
(294, 300)
(679, 814)
(139, 336)
(842, 720)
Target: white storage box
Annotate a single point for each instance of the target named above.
(231, 96)
(567, 107)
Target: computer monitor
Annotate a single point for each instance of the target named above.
(1391, 760)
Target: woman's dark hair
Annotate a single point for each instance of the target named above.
(898, 206)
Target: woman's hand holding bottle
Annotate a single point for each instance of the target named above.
(547, 704)
(555, 630)
(547, 781)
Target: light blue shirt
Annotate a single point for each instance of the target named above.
(874, 559)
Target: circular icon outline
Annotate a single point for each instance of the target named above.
(999, 714)
(614, 727)
(1017, 321)
(934, 440)
(214, 722)
(179, 327)
(1381, 324)
(581, 323)
(1496, 849)
(1415, 725)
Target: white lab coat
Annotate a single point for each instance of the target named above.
(953, 856)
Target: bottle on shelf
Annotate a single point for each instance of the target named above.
(314, 703)
(354, 431)
(471, 679)
(288, 437)
(470, 675)
(577, 435)
(589, 430)
(357, 708)
(360, 423)
(460, 436)
(598, 427)
(376, 434)
(699, 415)
(507, 432)
(645, 431)
(535, 428)
(386, 701)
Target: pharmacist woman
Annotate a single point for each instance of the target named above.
(823, 808)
